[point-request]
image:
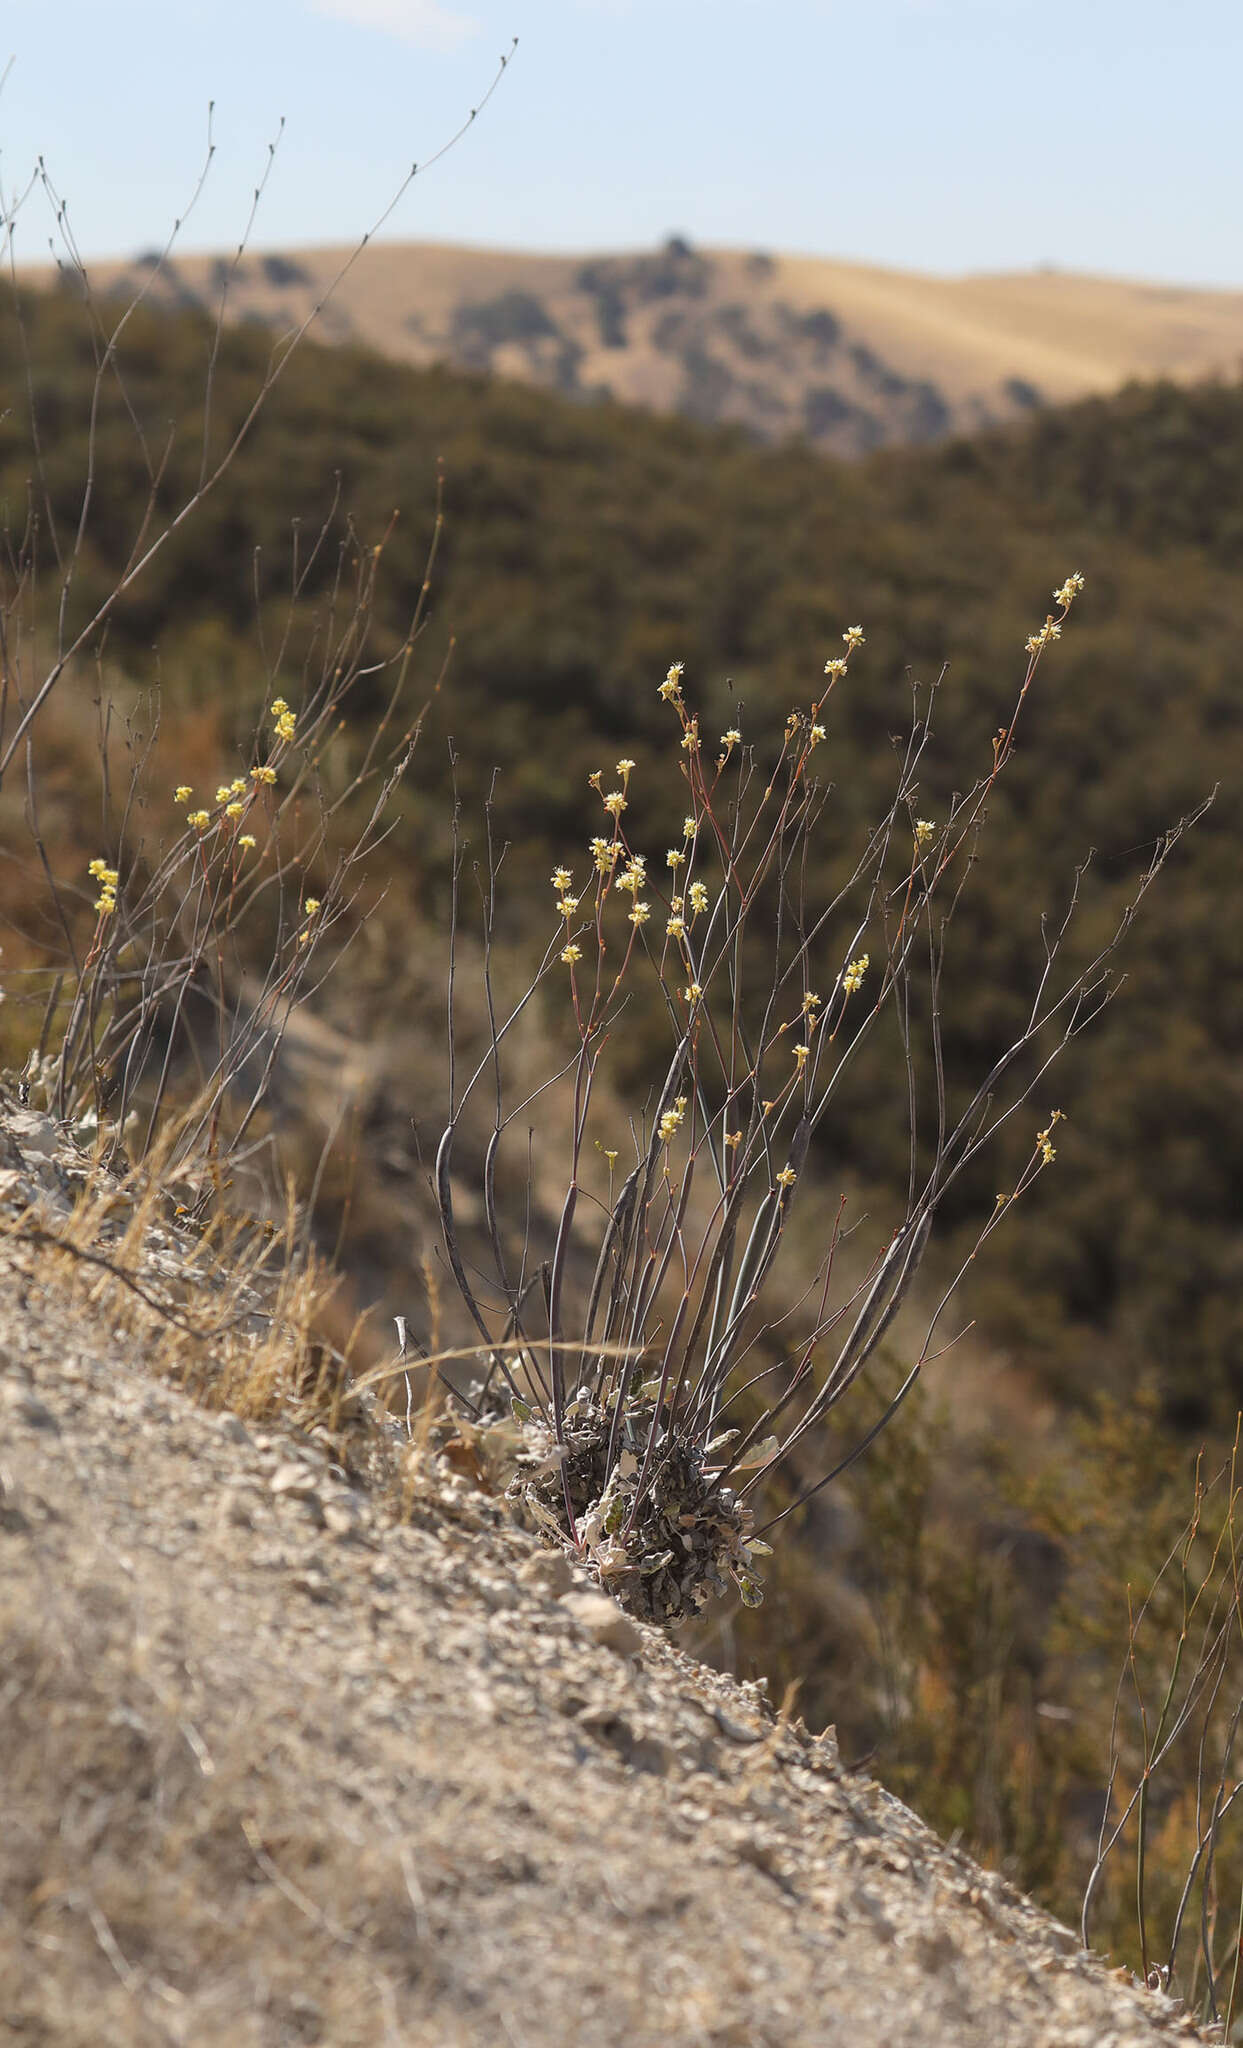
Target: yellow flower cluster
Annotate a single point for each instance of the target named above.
(672, 1119)
(1036, 642)
(266, 775)
(699, 896)
(182, 793)
(605, 853)
(1069, 591)
(106, 901)
(570, 954)
(787, 1177)
(835, 668)
(924, 830)
(1044, 1140)
(634, 875)
(310, 907)
(285, 721)
(199, 819)
(671, 688)
(855, 971)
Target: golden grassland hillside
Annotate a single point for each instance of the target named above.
(847, 356)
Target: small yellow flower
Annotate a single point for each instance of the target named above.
(234, 810)
(596, 781)
(672, 1119)
(801, 1055)
(615, 802)
(676, 928)
(924, 831)
(733, 1139)
(675, 858)
(634, 875)
(689, 828)
(611, 1155)
(1044, 1140)
(623, 769)
(605, 853)
(279, 707)
(568, 905)
(223, 793)
(267, 775)
(1069, 591)
(699, 896)
(836, 669)
(1049, 631)
(692, 993)
(672, 685)
(853, 636)
(570, 954)
(237, 787)
(561, 879)
(815, 735)
(311, 905)
(690, 738)
(247, 840)
(640, 913)
(855, 971)
(182, 793)
(811, 1002)
(285, 726)
(732, 738)
(199, 819)
(787, 1177)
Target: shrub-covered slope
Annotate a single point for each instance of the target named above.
(586, 548)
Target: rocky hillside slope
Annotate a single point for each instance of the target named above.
(304, 1743)
(847, 356)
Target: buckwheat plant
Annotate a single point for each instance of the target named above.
(636, 1347)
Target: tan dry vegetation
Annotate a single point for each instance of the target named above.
(848, 354)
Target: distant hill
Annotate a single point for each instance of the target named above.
(849, 357)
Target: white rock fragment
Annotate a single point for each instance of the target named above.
(601, 1617)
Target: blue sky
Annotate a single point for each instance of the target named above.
(944, 135)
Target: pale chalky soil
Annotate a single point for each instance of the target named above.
(276, 1770)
